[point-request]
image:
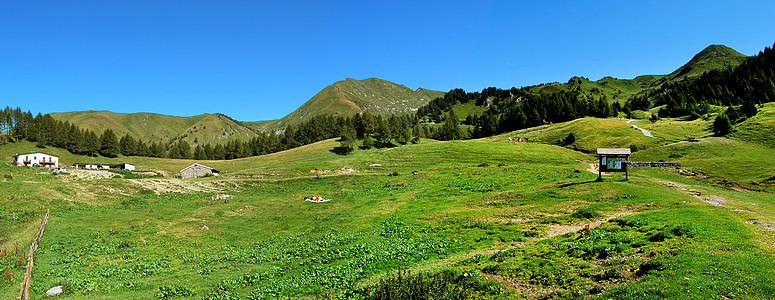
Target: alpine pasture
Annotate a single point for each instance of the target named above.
(482, 218)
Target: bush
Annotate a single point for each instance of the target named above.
(447, 284)
(173, 290)
(585, 213)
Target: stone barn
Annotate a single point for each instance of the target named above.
(197, 170)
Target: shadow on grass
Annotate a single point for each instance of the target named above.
(577, 183)
(342, 150)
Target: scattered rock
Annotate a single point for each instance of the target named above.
(219, 197)
(54, 291)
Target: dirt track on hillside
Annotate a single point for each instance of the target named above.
(717, 200)
(160, 186)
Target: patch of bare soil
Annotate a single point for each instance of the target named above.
(527, 290)
(174, 185)
(560, 229)
(343, 171)
(592, 168)
(716, 200)
(91, 174)
(763, 225)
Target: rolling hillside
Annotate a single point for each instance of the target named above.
(712, 57)
(492, 211)
(351, 96)
(150, 127)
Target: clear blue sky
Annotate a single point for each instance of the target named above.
(259, 60)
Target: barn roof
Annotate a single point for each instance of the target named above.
(196, 164)
(614, 151)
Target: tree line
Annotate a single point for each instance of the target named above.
(749, 84)
(740, 89)
(517, 108)
(360, 130)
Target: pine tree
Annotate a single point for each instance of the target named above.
(128, 145)
(722, 126)
(450, 130)
(346, 140)
(109, 146)
(383, 134)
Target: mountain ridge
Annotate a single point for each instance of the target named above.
(350, 96)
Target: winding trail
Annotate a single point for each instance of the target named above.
(645, 132)
(717, 200)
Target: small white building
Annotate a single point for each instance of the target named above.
(87, 166)
(37, 159)
(123, 166)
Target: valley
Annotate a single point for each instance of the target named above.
(508, 220)
(505, 205)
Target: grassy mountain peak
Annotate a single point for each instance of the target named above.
(351, 96)
(712, 57)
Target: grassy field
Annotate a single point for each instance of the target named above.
(590, 133)
(499, 220)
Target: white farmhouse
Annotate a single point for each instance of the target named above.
(37, 159)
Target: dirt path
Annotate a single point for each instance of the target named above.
(717, 200)
(592, 168)
(160, 186)
(645, 132)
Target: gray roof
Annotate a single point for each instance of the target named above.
(614, 151)
(196, 164)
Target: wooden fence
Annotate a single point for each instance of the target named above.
(24, 292)
(636, 164)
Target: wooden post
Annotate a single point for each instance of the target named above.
(599, 168)
(25, 285)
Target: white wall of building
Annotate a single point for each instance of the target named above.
(42, 159)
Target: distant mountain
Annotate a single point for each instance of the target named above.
(150, 127)
(713, 57)
(342, 98)
(352, 96)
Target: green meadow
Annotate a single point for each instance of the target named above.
(485, 219)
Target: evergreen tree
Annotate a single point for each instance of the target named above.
(158, 150)
(383, 134)
(92, 142)
(569, 140)
(347, 140)
(109, 146)
(128, 145)
(180, 150)
(722, 126)
(199, 153)
(450, 130)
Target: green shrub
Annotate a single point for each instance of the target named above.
(173, 290)
(585, 213)
(447, 284)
